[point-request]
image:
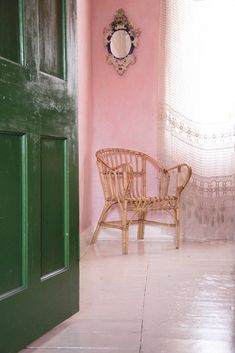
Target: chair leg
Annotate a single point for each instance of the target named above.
(104, 212)
(125, 231)
(125, 236)
(140, 234)
(177, 224)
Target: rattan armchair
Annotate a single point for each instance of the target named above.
(137, 183)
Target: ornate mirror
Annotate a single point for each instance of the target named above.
(121, 38)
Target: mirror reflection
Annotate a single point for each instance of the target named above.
(120, 44)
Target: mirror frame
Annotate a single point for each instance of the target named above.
(121, 22)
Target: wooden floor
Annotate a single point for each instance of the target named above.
(155, 300)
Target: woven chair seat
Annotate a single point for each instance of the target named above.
(153, 202)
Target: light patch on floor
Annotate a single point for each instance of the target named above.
(154, 300)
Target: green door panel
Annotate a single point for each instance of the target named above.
(10, 35)
(54, 205)
(39, 267)
(12, 191)
(51, 37)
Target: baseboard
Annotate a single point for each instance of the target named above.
(151, 233)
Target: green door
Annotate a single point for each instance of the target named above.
(38, 169)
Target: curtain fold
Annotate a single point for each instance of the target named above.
(197, 118)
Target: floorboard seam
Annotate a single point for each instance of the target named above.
(142, 319)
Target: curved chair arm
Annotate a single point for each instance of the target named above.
(182, 181)
(122, 180)
(155, 163)
(117, 181)
(162, 175)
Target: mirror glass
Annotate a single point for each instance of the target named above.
(120, 44)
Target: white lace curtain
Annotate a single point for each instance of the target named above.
(197, 119)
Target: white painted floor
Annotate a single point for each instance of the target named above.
(155, 300)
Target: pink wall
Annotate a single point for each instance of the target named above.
(124, 108)
(115, 111)
(84, 110)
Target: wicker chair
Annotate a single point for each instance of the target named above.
(128, 179)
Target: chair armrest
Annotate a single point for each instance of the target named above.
(182, 180)
(123, 176)
(117, 180)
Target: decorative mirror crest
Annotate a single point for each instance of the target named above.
(121, 39)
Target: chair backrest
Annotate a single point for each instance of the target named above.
(127, 173)
(118, 160)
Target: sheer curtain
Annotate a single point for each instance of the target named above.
(197, 119)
